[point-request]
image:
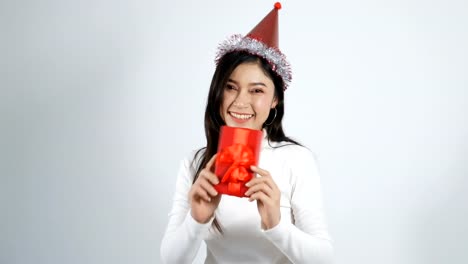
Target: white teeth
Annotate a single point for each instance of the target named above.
(241, 116)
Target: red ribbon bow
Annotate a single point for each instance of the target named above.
(239, 158)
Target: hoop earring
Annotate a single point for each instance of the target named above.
(271, 122)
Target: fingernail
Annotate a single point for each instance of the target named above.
(247, 184)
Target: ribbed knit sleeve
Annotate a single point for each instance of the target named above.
(183, 235)
(306, 240)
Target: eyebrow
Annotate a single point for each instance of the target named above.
(250, 84)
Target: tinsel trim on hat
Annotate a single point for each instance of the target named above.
(275, 58)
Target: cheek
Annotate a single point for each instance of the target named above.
(225, 101)
(262, 106)
(224, 105)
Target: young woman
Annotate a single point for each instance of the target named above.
(282, 220)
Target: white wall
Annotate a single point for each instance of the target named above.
(100, 100)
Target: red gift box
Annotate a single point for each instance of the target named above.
(238, 149)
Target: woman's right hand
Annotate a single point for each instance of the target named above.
(203, 197)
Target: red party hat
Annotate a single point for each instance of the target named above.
(266, 30)
(262, 41)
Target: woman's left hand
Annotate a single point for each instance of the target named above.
(264, 190)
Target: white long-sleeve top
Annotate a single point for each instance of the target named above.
(300, 237)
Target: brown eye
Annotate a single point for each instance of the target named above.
(257, 91)
(230, 87)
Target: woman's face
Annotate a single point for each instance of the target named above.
(248, 97)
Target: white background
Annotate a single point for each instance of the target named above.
(101, 99)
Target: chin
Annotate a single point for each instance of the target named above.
(249, 126)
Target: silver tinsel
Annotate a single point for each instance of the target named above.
(274, 56)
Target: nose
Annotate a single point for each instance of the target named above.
(242, 100)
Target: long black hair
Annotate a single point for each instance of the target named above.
(213, 120)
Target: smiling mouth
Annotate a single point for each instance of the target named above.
(240, 116)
